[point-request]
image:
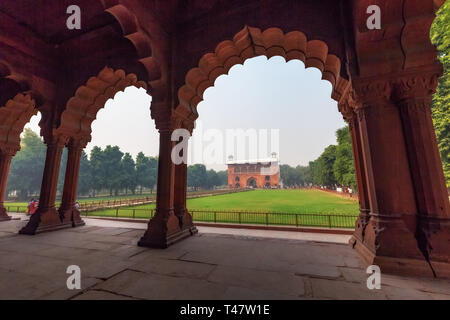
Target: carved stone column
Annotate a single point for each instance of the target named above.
(390, 235)
(46, 217)
(413, 96)
(5, 162)
(347, 110)
(186, 222)
(164, 228)
(67, 210)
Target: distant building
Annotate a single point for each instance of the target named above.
(263, 173)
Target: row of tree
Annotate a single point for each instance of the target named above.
(108, 169)
(333, 167)
(199, 177)
(115, 171)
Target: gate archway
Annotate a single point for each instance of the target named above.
(377, 109)
(251, 182)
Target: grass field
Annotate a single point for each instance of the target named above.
(274, 207)
(289, 201)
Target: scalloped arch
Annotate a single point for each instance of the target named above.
(252, 42)
(81, 110)
(12, 83)
(14, 115)
(139, 39)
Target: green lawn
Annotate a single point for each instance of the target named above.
(289, 201)
(274, 207)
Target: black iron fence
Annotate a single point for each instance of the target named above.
(243, 217)
(96, 205)
(230, 217)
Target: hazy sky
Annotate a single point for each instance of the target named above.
(261, 94)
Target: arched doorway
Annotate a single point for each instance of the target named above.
(14, 115)
(355, 99)
(74, 132)
(251, 182)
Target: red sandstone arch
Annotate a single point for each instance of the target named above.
(82, 108)
(13, 116)
(252, 42)
(134, 33)
(16, 107)
(11, 83)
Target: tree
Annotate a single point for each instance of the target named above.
(196, 176)
(146, 171)
(27, 167)
(84, 178)
(112, 157)
(223, 177)
(128, 181)
(290, 176)
(305, 174)
(62, 171)
(97, 169)
(344, 169)
(440, 36)
(322, 168)
(212, 179)
(141, 167)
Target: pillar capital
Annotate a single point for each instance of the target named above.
(370, 90)
(59, 140)
(347, 106)
(78, 142)
(173, 123)
(418, 85)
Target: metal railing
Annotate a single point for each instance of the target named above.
(97, 205)
(242, 217)
(334, 220)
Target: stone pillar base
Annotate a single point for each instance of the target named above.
(437, 232)
(163, 243)
(186, 222)
(72, 216)
(3, 215)
(162, 233)
(400, 266)
(44, 220)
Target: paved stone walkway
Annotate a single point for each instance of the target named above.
(206, 266)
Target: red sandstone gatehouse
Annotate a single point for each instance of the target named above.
(262, 173)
